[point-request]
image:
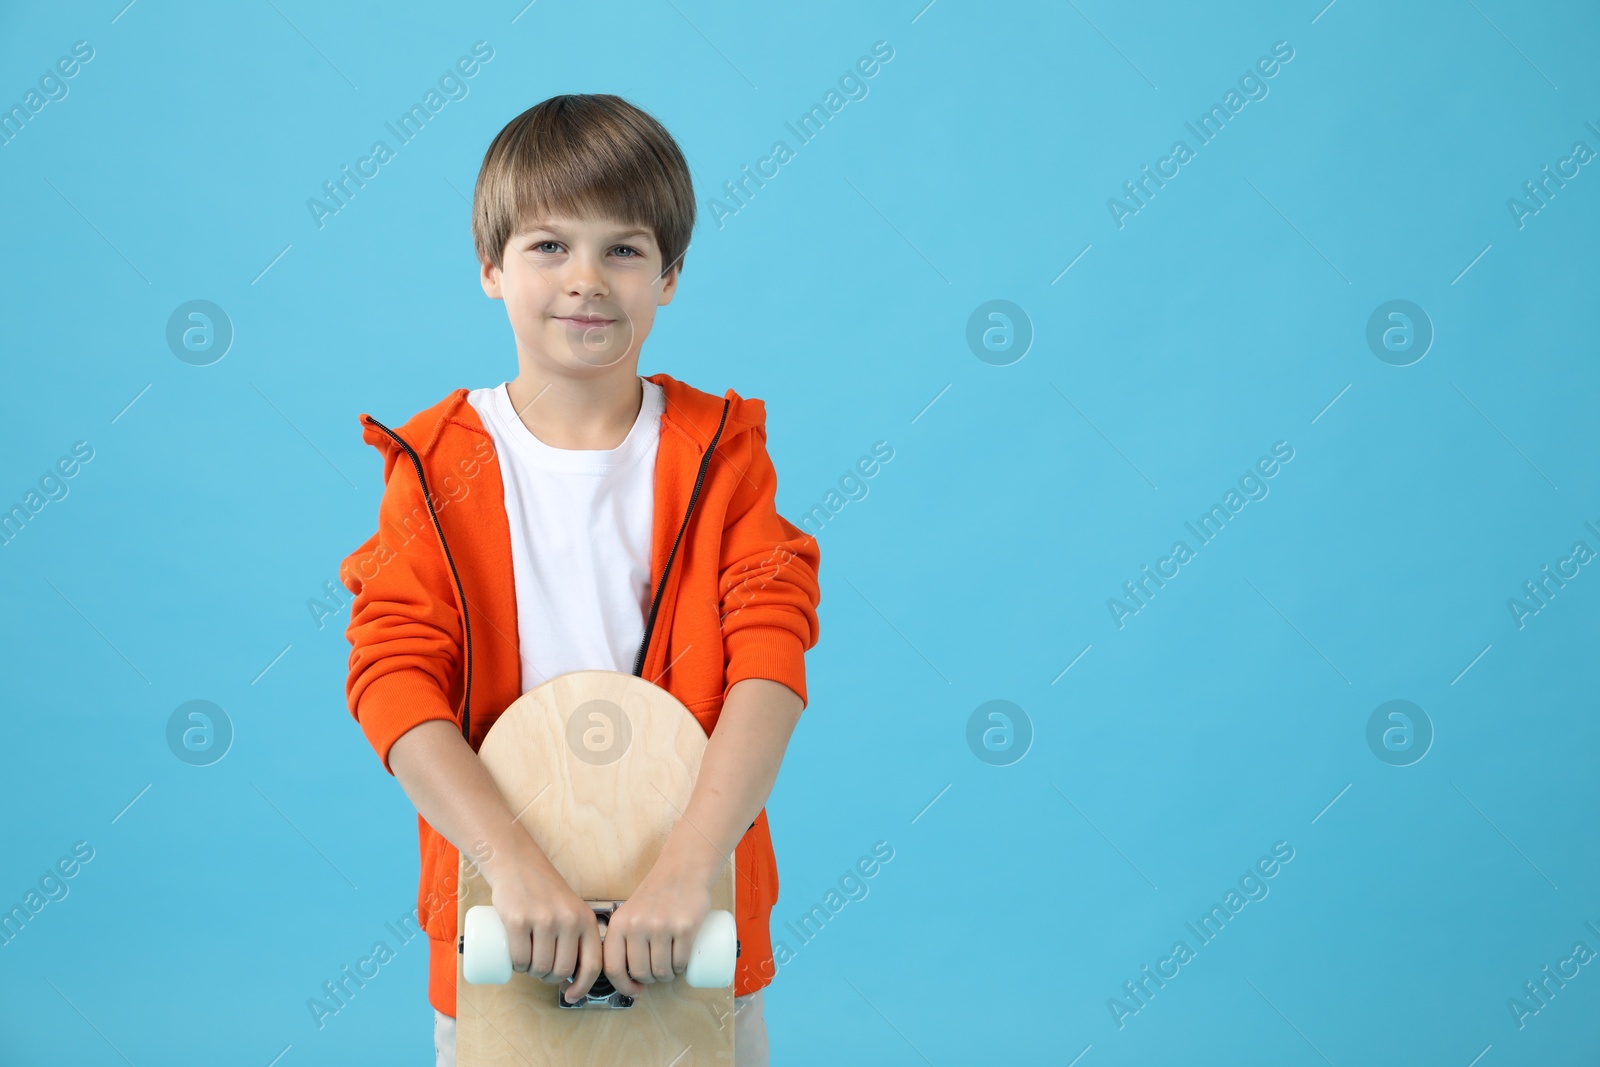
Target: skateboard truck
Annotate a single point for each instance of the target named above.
(486, 955)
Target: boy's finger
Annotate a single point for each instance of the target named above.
(639, 959)
(681, 948)
(661, 959)
(589, 965)
(541, 955)
(566, 957)
(615, 954)
(521, 949)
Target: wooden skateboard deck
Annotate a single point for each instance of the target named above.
(597, 766)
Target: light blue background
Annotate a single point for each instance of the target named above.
(1228, 314)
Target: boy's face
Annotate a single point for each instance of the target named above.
(581, 294)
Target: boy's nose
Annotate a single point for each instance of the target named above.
(585, 279)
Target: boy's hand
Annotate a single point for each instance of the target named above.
(552, 933)
(651, 934)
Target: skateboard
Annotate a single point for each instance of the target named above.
(597, 766)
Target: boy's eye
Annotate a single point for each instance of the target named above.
(543, 245)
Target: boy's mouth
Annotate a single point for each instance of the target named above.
(584, 322)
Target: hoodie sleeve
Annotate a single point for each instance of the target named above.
(405, 628)
(768, 578)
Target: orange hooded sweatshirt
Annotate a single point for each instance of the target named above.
(735, 594)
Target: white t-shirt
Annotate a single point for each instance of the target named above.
(580, 539)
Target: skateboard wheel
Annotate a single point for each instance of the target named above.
(485, 952)
(716, 949)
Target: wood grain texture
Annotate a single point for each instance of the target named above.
(600, 801)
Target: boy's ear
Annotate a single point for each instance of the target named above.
(669, 284)
(490, 279)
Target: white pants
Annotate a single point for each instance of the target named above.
(749, 1034)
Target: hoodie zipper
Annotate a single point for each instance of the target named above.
(650, 622)
(466, 625)
(466, 622)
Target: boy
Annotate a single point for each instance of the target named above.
(587, 518)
